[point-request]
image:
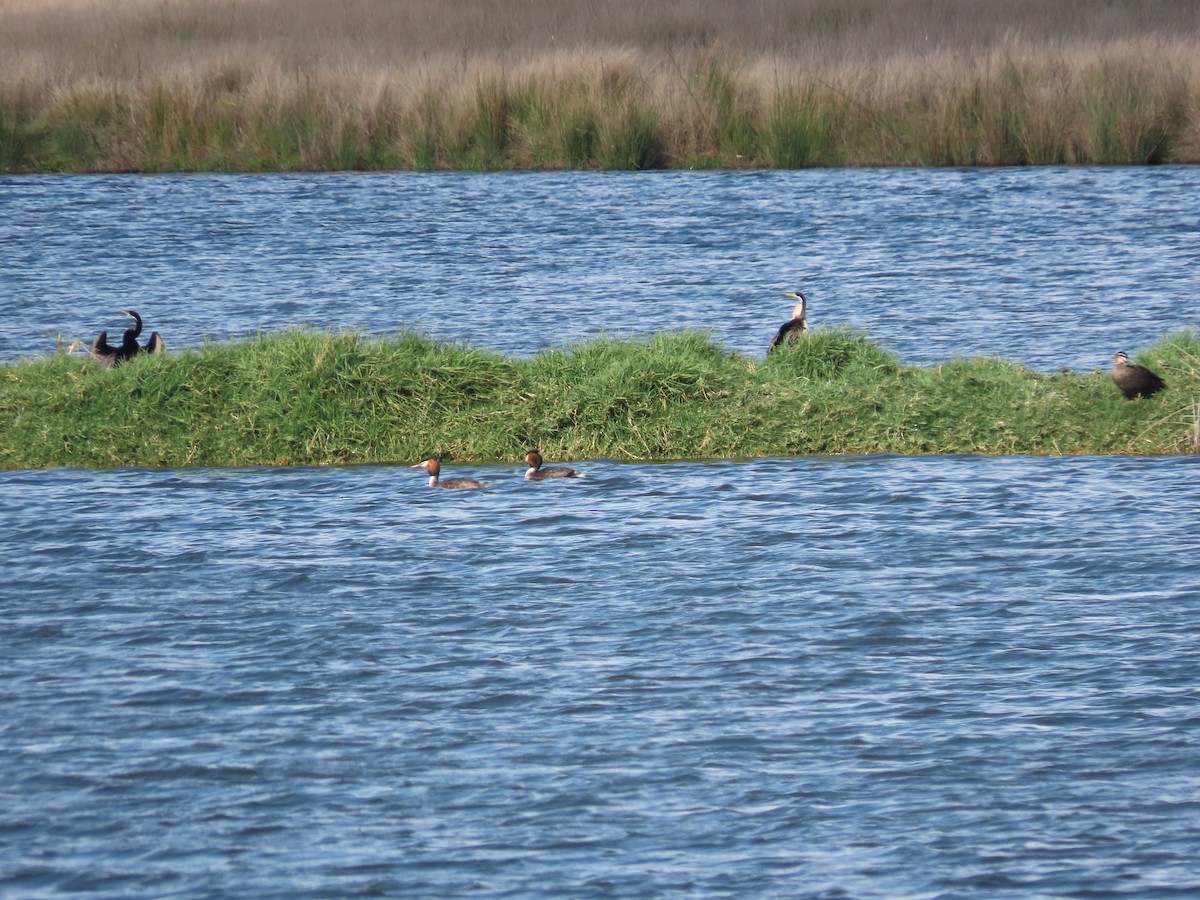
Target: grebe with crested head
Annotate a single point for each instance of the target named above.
(434, 468)
(1133, 380)
(536, 472)
(795, 327)
(114, 356)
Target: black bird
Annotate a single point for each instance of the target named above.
(114, 356)
(535, 472)
(795, 327)
(1134, 380)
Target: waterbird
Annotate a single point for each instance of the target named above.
(129, 348)
(535, 472)
(791, 330)
(1134, 380)
(434, 468)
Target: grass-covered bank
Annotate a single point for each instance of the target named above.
(226, 85)
(305, 397)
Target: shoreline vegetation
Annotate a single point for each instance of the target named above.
(303, 397)
(304, 85)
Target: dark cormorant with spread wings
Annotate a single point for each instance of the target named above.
(129, 347)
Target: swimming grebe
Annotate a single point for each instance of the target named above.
(434, 468)
(113, 356)
(796, 326)
(1134, 380)
(535, 472)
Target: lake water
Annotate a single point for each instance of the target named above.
(1056, 267)
(863, 677)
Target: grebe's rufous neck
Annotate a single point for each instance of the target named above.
(796, 326)
(434, 468)
(1133, 380)
(535, 472)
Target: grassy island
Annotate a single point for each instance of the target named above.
(306, 397)
(270, 85)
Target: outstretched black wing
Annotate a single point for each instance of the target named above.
(103, 351)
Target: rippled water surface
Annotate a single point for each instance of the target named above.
(875, 677)
(866, 677)
(1058, 267)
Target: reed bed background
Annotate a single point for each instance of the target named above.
(307, 397)
(247, 85)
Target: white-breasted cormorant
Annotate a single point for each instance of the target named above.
(536, 472)
(795, 327)
(1134, 380)
(129, 348)
(434, 468)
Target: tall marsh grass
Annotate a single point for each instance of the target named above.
(498, 84)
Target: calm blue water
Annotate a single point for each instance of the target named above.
(865, 678)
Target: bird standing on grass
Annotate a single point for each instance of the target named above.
(1134, 380)
(795, 327)
(535, 472)
(434, 468)
(114, 356)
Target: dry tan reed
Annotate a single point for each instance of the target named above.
(259, 84)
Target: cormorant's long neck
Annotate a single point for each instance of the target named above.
(137, 326)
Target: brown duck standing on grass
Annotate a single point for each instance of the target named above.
(536, 472)
(1133, 380)
(434, 468)
(795, 327)
(129, 348)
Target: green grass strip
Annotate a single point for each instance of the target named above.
(305, 397)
